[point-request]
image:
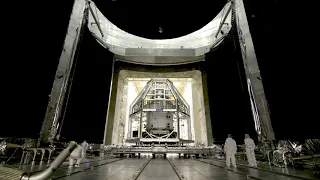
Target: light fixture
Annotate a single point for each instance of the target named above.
(160, 29)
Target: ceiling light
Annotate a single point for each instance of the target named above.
(160, 29)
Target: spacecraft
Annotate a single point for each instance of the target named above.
(159, 115)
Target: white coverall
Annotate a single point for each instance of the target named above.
(230, 148)
(250, 151)
(85, 146)
(76, 155)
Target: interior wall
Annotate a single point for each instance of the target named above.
(132, 94)
(196, 105)
(206, 108)
(202, 125)
(188, 97)
(120, 110)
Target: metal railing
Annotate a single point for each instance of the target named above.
(26, 153)
(15, 174)
(53, 166)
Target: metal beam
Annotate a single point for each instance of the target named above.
(255, 86)
(178, 120)
(141, 118)
(109, 101)
(224, 19)
(95, 18)
(77, 21)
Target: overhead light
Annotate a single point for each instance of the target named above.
(160, 29)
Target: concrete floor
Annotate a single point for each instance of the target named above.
(160, 169)
(303, 173)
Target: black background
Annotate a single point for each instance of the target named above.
(284, 35)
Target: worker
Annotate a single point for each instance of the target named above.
(249, 143)
(230, 149)
(3, 146)
(85, 146)
(76, 154)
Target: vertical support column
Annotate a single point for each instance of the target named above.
(207, 109)
(34, 156)
(43, 152)
(110, 93)
(258, 100)
(189, 129)
(49, 157)
(76, 23)
(110, 119)
(141, 118)
(178, 121)
(129, 134)
(196, 106)
(123, 113)
(117, 137)
(22, 157)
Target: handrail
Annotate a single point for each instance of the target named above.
(50, 150)
(53, 166)
(307, 157)
(35, 150)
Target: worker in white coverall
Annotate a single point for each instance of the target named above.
(76, 155)
(230, 149)
(85, 146)
(250, 150)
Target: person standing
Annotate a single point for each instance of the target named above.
(85, 147)
(249, 143)
(76, 155)
(230, 149)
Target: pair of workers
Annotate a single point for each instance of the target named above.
(230, 149)
(78, 154)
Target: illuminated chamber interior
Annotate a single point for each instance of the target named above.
(159, 116)
(188, 84)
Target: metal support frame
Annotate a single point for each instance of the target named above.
(224, 18)
(129, 130)
(169, 135)
(141, 118)
(150, 135)
(258, 100)
(50, 153)
(77, 21)
(43, 151)
(181, 106)
(178, 121)
(53, 166)
(109, 101)
(22, 157)
(27, 151)
(95, 18)
(189, 128)
(34, 155)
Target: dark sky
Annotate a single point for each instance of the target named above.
(177, 18)
(282, 36)
(287, 60)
